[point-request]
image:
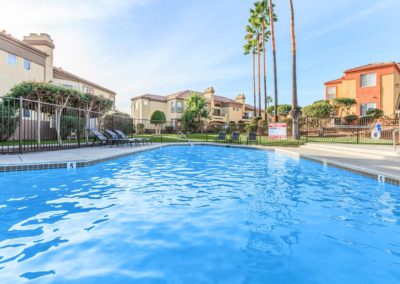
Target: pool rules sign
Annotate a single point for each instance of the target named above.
(277, 131)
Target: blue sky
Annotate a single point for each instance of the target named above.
(163, 46)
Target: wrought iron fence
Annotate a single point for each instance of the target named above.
(28, 125)
(364, 130)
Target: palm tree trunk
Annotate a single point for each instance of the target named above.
(271, 19)
(254, 84)
(295, 108)
(259, 75)
(265, 73)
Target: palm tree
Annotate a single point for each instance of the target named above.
(255, 30)
(249, 48)
(272, 19)
(295, 108)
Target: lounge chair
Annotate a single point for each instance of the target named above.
(123, 136)
(221, 136)
(116, 137)
(103, 140)
(235, 137)
(252, 138)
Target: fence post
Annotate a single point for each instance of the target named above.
(21, 115)
(161, 126)
(358, 136)
(307, 129)
(79, 128)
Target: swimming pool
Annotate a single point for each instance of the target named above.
(198, 214)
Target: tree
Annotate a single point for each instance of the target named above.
(295, 113)
(374, 112)
(283, 110)
(249, 48)
(196, 109)
(344, 104)
(318, 109)
(273, 19)
(158, 118)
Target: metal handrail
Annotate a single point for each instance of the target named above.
(396, 131)
(185, 136)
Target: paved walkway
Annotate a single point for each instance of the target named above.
(374, 159)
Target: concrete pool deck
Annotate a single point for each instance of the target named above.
(376, 161)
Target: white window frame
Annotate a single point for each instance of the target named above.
(368, 80)
(179, 106)
(368, 107)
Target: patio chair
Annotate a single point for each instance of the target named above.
(103, 140)
(252, 138)
(221, 136)
(235, 137)
(123, 136)
(116, 137)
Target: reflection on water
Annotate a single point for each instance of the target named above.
(198, 215)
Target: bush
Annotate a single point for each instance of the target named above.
(157, 117)
(366, 120)
(119, 121)
(69, 126)
(376, 113)
(139, 128)
(320, 109)
(350, 118)
(169, 129)
(8, 121)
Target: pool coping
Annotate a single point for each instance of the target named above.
(381, 177)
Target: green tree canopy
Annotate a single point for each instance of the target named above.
(318, 109)
(376, 113)
(343, 104)
(157, 117)
(283, 110)
(196, 109)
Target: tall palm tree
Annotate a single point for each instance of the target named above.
(272, 19)
(249, 48)
(256, 31)
(260, 9)
(295, 113)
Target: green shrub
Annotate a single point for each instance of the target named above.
(139, 128)
(169, 129)
(350, 118)
(376, 113)
(119, 121)
(8, 121)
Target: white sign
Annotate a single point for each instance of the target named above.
(277, 131)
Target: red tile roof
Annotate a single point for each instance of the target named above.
(151, 97)
(334, 81)
(374, 66)
(182, 95)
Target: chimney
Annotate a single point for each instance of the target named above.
(241, 99)
(209, 95)
(44, 43)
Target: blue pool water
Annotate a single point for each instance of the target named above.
(198, 215)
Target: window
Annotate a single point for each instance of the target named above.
(67, 86)
(331, 92)
(145, 103)
(12, 59)
(179, 107)
(88, 90)
(368, 80)
(27, 64)
(172, 107)
(365, 107)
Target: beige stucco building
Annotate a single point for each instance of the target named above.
(221, 109)
(32, 60)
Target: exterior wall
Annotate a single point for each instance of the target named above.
(143, 108)
(387, 97)
(234, 113)
(385, 94)
(11, 75)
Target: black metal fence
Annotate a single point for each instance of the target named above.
(28, 125)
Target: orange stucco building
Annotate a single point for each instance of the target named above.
(373, 86)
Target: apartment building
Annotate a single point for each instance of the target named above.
(373, 86)
(222, 109)
(32, 60)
